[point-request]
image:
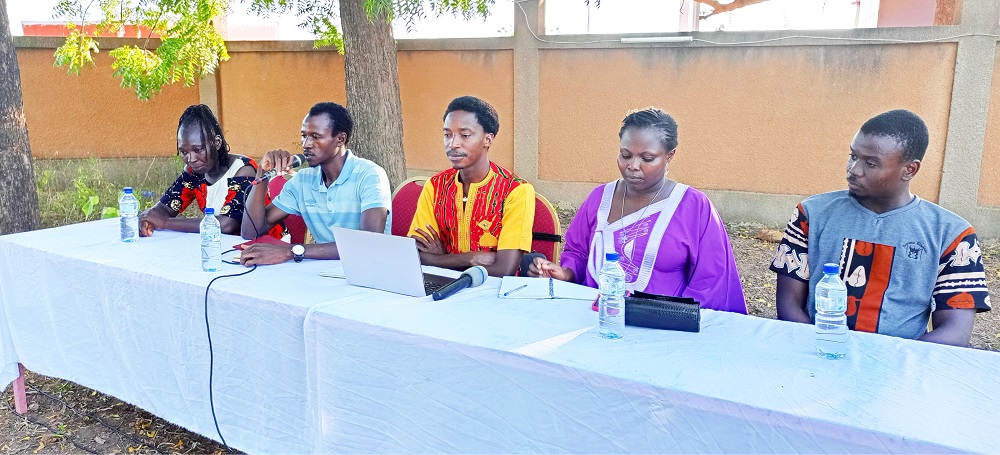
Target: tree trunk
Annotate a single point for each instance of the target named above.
(18, 196)
(373, 89)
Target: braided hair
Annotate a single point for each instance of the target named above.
(202, 115)
(654, 119)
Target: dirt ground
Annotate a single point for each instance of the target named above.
(52, 427)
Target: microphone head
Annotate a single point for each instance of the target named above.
(298, 160)
(478, 275)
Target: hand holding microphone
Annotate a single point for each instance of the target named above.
(470, 278)
(278, 160)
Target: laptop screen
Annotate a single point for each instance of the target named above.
(379, 261)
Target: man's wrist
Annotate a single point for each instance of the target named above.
(298, 252)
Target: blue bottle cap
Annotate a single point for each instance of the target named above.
(209, 211)
(611, 257)
(831, 268)
(128, 190)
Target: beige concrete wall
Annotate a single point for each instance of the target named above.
(264, 96)
(91, 115)
(429, 80)
(989, 179)
(765, 117)
(773, 120)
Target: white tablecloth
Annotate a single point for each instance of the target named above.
(128, 320)
(478, 374)
(310, 364)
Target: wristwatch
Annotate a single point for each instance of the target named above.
(297, 252)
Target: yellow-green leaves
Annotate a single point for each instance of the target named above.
(76, 52)
(327, 34)
(139, 70)
(188, 47)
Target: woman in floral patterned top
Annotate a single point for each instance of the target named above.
(212, 177)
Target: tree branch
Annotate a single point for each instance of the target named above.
(719, 7)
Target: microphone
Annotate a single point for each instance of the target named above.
(470, 278)
(297, 161)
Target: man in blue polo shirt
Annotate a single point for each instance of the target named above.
(338, 189)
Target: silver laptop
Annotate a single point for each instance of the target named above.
(384, 262)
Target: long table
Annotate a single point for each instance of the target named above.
(485, 375)
(129, 320)
(311, 364)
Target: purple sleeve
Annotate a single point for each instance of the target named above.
(713, 277)
(579, 236)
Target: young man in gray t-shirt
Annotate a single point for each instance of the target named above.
(904, 259)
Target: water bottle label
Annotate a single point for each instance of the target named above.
(129, 228)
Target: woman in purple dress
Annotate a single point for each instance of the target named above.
(669, 238)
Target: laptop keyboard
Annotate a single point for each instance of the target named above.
(431, 286)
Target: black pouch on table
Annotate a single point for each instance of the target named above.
(663, 312)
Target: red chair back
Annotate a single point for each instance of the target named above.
(404, 204)
(295, 225)
(546, 232)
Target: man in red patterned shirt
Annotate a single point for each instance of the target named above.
(476, 213)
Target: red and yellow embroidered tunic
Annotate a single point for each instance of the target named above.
(498, 215)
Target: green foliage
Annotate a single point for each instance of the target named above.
(44, 178)
(189, 47)
(327, 34)
(138, 70)
(71, 191)
(86, 195)
(88, 207)
(381, 8)
(412, 10)
(64, 387)
(76, 52)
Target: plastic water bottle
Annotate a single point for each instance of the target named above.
(831, 320)
(211, 242)
(128, 215)
(611, 306)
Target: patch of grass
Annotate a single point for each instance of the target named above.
(64, 387)
(77, 190)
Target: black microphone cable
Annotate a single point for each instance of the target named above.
(83, 415)
(208, 327)
(211, 354)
